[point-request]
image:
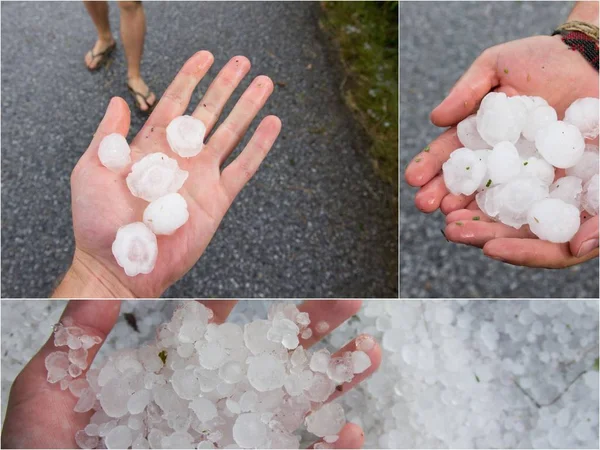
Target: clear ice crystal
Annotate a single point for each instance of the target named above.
(135, 249)
(166, 214)
(155, 176)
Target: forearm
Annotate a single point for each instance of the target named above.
(585, 12)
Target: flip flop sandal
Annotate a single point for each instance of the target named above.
(135, 95)
(104, 57)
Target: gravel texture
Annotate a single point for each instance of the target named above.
(438, 42)
(314, 222)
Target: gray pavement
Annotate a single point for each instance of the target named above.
(315, 220)
(438, 41)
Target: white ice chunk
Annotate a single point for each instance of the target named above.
(516, 197)
(265, 373)
(469, 136)
(204, 409)
(57, 365)
(340, 369)
(319, 360)
(589, 199)
(138, 401)
(85, 441)
(114, 152)
(503, 163)
(360, 362)
(554, 220)
(560, 143)
(249, 431)
(135, 249)
(155, 176)
(327, 420)
(86, 401)
(166, 214)
(185, 135)
(118, 437)
(463, 172)
(584, 114)
(500, 118)
(488, 201)
(568, 189)
(538, 168)
(537, 119)
(587, 166)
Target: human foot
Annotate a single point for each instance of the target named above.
(98, 55)
(144, 98)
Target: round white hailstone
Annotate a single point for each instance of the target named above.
(249, 431)
(322, 327)
(538, 168)
(211, 355)
(185, 135)
(319, 360)
(365, 343)
(516, 197)
(114, 398)
(538, 119)
(526, 149)
(500, 118)
(114, 152)
(568, 189)
(83, 440)
(584, 114)
(463, 172)
(321, 387)
(360, 361)
(232, 372)
(155, 176)
(138, 401)
(587, 166)
(503, 163)
(205, 409)
(554, 220)
(326, 421)
(468, 134)
(488, 201)
(532, 102)
(86, 401)
(340, 369)
(589, 200)
(118, 437)
(265, 373)
(560, 143)
(166, 214)
(306, 334)
(135, 249)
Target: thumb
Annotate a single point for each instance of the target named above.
(585, 241)
(468, 91)
(116, 120)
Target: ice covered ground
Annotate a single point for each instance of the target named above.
(455, 373)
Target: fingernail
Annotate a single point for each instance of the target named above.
(587, 247)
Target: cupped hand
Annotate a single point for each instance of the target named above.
(40, 414)
(101, 200)
(538, 66)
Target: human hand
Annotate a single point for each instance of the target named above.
(539, 66)
(40, 414)
(102, 203)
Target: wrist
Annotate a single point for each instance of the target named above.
(89, 278)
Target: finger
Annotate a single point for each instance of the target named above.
(532, 253)
(333, 313)
(176, 98)
(585, 241)
(468, 91)
(228, 79)
(374, 354)
(233, 128)
(220, 308)
(473, 205)
(477, 233)
(350, 436)
(467, 214)
(238, 173)
(428, 163)
(453, 202)
(430, 196)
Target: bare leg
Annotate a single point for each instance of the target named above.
(98, 11)
(133, 31)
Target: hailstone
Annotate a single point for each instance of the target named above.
(135, 249)
(538, 168)
(166, 214)
(554, 220)
(537, 119)
(155, 176)
(501, 118)
(463, 172)
(584, 114)
(185, 135)
(516, 197)
(568, 189)
(589, 200)
(469, 136)
(503, 163)
(587, 166)
(114, 152)
(560, 143)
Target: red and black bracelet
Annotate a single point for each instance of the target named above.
(581, 37)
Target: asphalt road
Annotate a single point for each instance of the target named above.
(314, 222)
(438, 41)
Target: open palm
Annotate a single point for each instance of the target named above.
(40, 415)
(538, 66)
(102, 203)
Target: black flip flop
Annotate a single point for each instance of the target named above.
(135, 94)
(104, 57)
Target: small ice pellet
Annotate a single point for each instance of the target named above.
(135, 248)
(365, 343)
(114, 152)
(584, 114)
(538, 118)
(249, 431)
(560, 143)
(587, 166)
(155, 176)
(468, 135)
(554, 220)
(166, 214)
(185, 135)
(568, 189)
(463, 172)
(500, 118)
(538, 168)
(503, 163)
(360, 361)
(319, 361)
(306, 334)
(322, 327)
(589, 199)
(326, 421)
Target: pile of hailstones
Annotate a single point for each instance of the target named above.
(203, 385)
(155, 178)
(512, 147)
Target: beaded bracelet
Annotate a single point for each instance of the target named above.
(581, 37)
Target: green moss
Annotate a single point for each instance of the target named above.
(163, 356)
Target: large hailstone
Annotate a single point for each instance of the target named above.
(588, 164)
(589, 198)
(135, 249)
(516, 197)
(560, 143)
(554, 220)
(326, 421)
(114, 152)
(538, 168)
(469, 136)
(501, 118)
(584, 114)
(538, 119)
(167, 214)
(185, 135)
(463, 172)
(488, 201)
(568, 189)
(503, 163)
(155, 176)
